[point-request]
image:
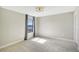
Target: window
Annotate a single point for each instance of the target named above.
(30, 24)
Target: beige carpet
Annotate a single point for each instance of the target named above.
(42, 45)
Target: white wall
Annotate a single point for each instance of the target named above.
(76, 26)
(58, 26)
(12, 26)
(36, 25)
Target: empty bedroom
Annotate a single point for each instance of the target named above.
(39, 29)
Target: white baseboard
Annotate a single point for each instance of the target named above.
(65, 39)
(9, 44)
(59, 38)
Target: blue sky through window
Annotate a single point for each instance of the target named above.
(30, 24)
(30, 19)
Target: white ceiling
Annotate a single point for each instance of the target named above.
(48, 10)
